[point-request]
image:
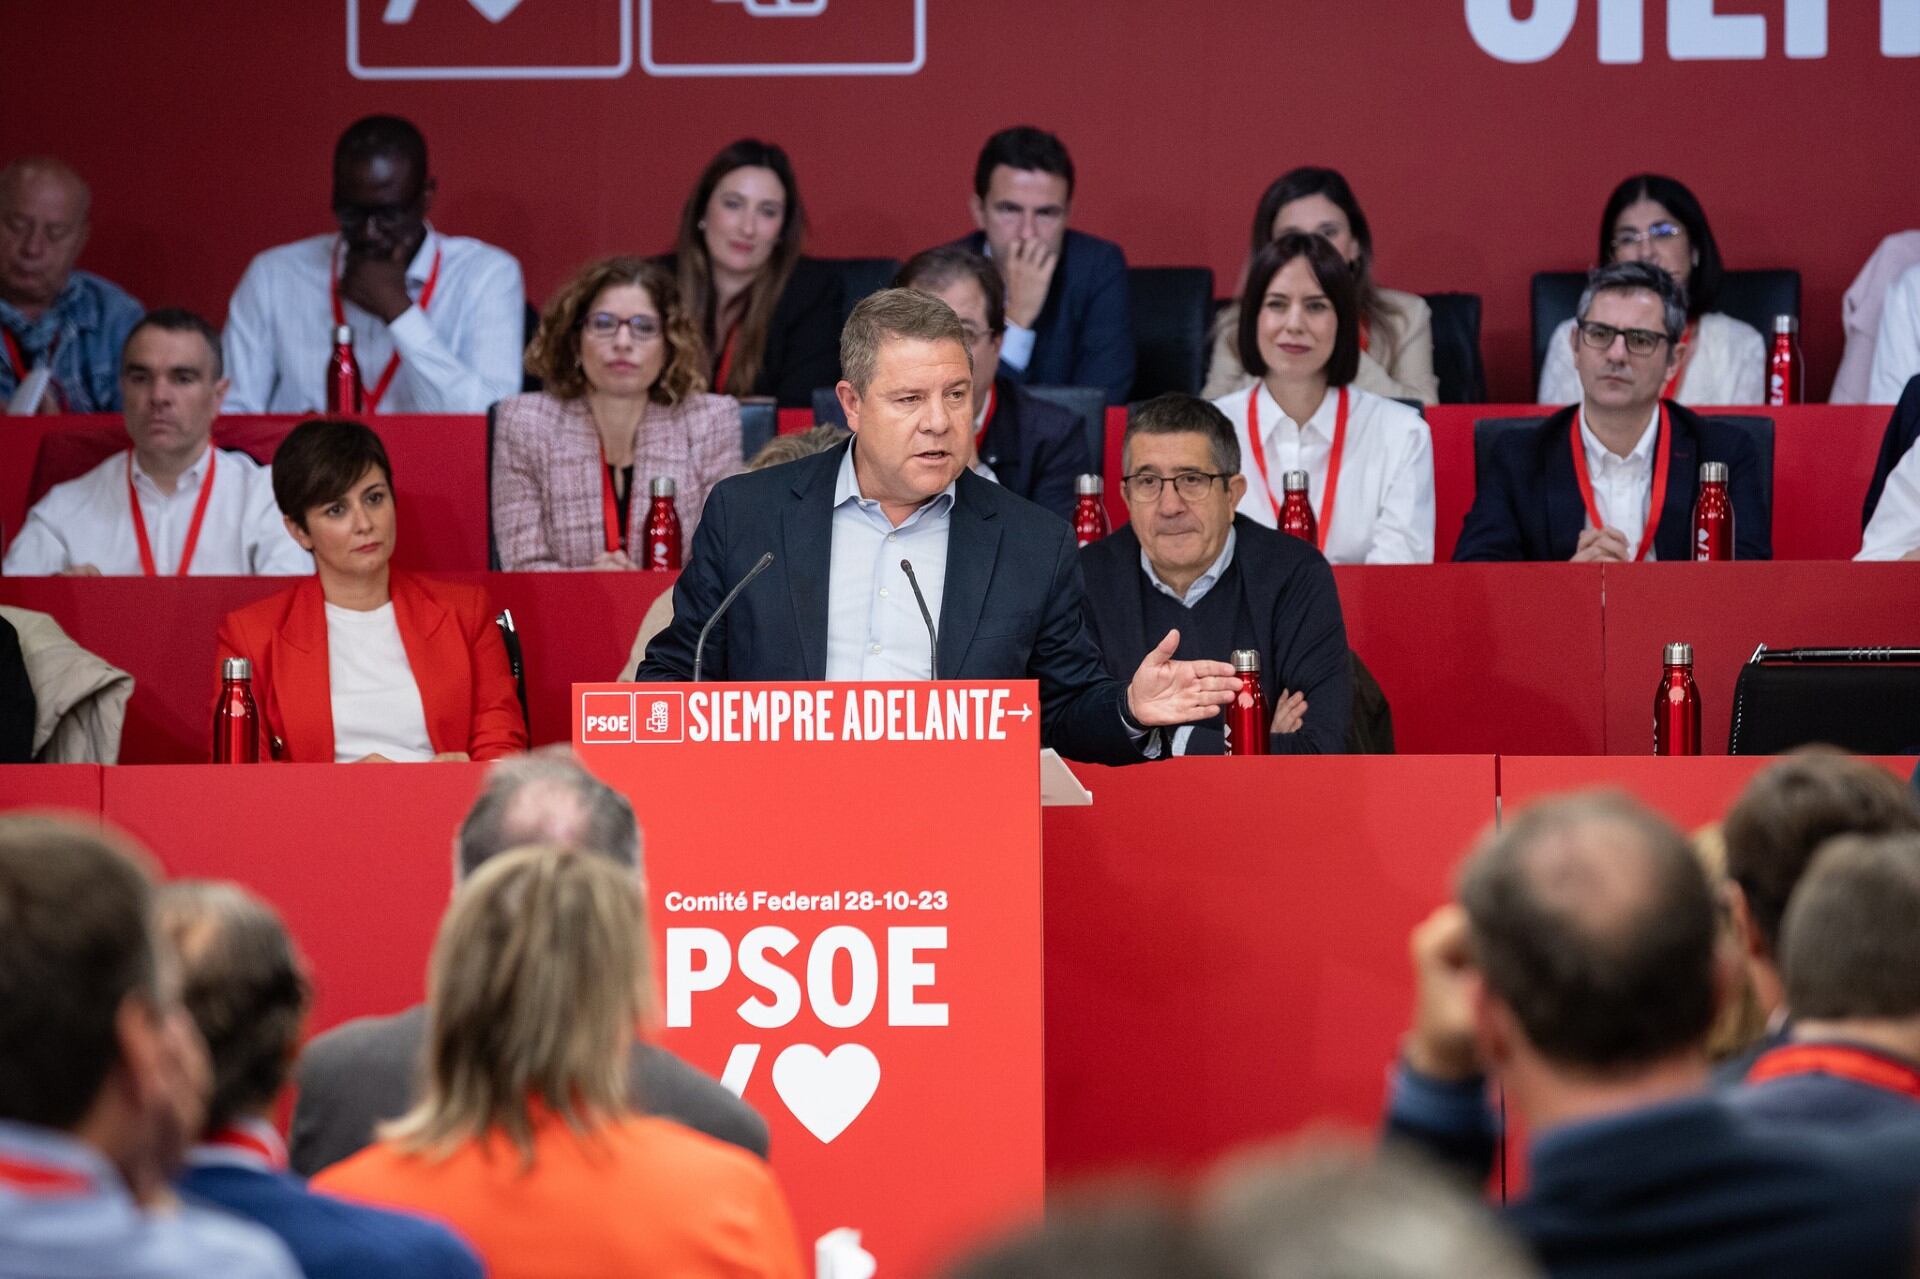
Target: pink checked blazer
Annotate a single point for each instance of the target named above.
(546, 473)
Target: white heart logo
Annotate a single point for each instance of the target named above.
(494, 10)
(826, 1091)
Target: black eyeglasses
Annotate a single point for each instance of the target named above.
(1639, 341)
(1145, 486)
(388, 217)
(1658, 233)
(604, 324)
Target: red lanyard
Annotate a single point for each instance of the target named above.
(725, 366)
(1324, 516)
(193, 528)
(27, 1178)
(986, 419)
(378, 391)
(1839, 1061)
(1656, 497)
(609, 506)
(1672, 387)
(250, 1144)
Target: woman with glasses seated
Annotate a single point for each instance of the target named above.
(1368, 459)
(1396, 329)
(1649, 218)
(625, 404)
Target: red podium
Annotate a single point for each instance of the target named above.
(845, 896)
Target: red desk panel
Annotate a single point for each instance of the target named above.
(1725, 611)
(71, 789)
(1691, 792)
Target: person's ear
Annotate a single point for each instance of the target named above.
(428, 190)
(849, 404)
(220, 390)
(978, 207)
(297, 533)
(1494, 1032)
(1752, 944)
(1236, 489)
(139, 1036)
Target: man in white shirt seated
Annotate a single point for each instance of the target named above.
(200, 510)
(438, 321)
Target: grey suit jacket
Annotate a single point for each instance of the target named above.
(363, 1072)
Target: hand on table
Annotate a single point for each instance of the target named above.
(1600, 545)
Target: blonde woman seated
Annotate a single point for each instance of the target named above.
(524, 1141)
(1396, 329)
(625, 404)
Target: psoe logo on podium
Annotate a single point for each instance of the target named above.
(489, 39)
(783, 37)
(606, 719)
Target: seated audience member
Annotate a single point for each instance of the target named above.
(1582, 484)
(777, 451)
(102, 1078)
(18, 708)
(72, 323)
(1396, 329)
(438, 320)
(1579, 970)
(172, 504)
(1718, 359)
(1860, 314)
(361, 1073)
(1893, 530)
(524, 1139)
(1896, 350)
(767, 317)
(248, 995)
(1186, 562)
(79, 700)
(1026, 445)
(1069, 322)
(1369, 460)
(1851, 956)
(1128, 1233)
(625, 404)
(1771, 832)
(363, 661)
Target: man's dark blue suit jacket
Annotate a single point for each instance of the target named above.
(1014, 605)
(1036, 449)
(1084, 334)
(1527, 505)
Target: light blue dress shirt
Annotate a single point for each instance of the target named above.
(874, 627)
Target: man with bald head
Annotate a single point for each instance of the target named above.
(437, 321)
(70, 323)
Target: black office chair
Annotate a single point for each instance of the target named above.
(1753, 296)
(1088, 403)
(1172, 307)
(530, 324)
(860, 277)
(493, 547)
(510, 636)
(1864, 700)
(1456, 347)
(1903, 428)
(759, 423)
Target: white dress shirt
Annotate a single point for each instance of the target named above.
(1383, 508)
(1622, 486)
(1895, 527)
(87, 521)
(1191, 599)
(1896, 352)
(1728, 365)
(458, 356)
(376, 700)
(874, 627)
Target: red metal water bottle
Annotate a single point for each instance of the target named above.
(344, 392)
(1296, 512)
(1713, 515)
(663, 527)
(1247, 720)
(236, 720)
(1786, 371)
(1676, 705)
(1089, 511)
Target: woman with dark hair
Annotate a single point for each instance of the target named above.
(1396, 329)
(1368, 459)
(1650, 218)
(362, 661)
(768, 316)
(625, 376)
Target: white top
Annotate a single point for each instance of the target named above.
(458, 356)
(1622, 486)
(1860, 312)
(376, 702)
(1383, 509)
(87, 521)
(1728, 365)
(874, 627)
(1895, 527)
(1896, 352)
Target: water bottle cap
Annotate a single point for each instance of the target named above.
(342, 335)
(1246, 659)
(236, 668)
(1085, 484)
(1679, 655)
(1713, 472)
(1295, 482)
(661, 486)
(1785, 324)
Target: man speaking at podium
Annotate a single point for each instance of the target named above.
(859, 538)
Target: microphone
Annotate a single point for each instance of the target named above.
(700, 645)
(933, 637)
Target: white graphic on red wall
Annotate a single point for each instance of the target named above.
(1695, 30)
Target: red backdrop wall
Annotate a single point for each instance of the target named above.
(206, 132)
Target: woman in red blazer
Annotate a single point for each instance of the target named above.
(363, 661)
